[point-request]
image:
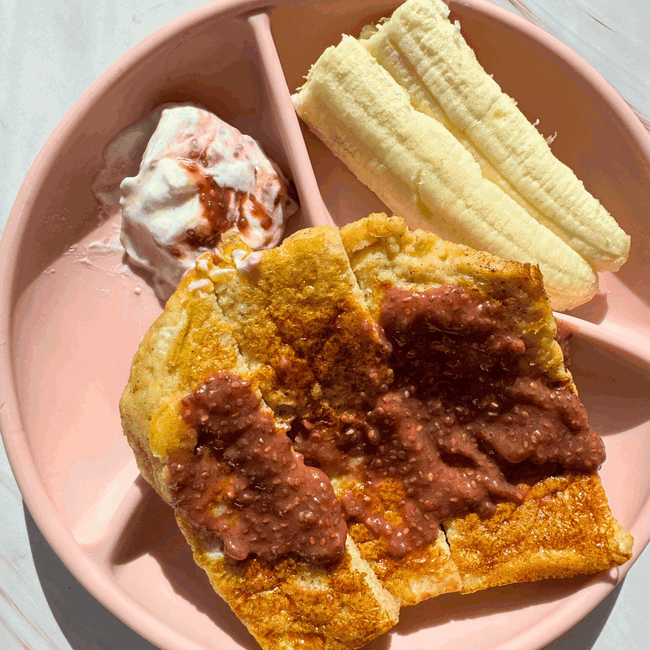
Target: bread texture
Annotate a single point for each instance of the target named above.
(537, 539)
(300, 324)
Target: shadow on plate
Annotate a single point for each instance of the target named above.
(614, 388)
(453, 607)
(83, 620)
(593, 311)
(584, 634)
(152, 530)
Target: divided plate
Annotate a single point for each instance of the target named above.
(73, 313)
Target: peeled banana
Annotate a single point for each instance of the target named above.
(429, 166)
(425, 52)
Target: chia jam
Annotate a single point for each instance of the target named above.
(464, 422)
(246, 484)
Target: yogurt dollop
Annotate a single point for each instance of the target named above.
(199, 178)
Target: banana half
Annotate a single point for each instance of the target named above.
(413, 114)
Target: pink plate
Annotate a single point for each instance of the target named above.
(73, 314)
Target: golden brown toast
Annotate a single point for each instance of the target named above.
(305, 325)
(290, 603)
(300, 315)
(564, 526)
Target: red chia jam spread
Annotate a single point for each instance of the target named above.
(223, 204)
(245, 484)
(465, 421)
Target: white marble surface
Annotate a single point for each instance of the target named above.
(50, 52)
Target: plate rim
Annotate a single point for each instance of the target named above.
(51, 525)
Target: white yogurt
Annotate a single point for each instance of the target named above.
(198, 178)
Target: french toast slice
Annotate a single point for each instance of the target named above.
(299, 314)
(563, 528)
(563, 525)
(290, 602)
(306, 327)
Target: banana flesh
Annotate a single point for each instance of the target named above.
(427, 55)
(416, 166)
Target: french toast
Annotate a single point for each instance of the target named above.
(308, 328)
(305, 323)
(562, 526)
(289, 603)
